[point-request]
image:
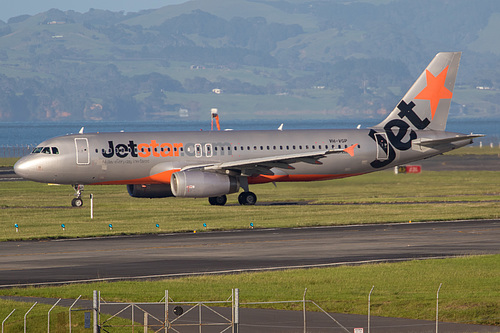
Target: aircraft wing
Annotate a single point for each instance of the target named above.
(263, 165)
(429, 143)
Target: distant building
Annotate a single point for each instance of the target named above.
(217, 91)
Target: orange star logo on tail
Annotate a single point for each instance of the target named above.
(435, 89)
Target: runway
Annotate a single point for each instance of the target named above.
(171, 255)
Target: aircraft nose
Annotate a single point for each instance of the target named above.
(24, 167)
(21, 168)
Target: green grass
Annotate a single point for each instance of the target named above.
(40, 210)
(469, 293)
(8, 161)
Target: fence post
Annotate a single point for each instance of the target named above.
(71, 307)
(236, 309)
(95, 309)
(166, 311)
(232, 310)
(437, 306)
(26, 314)
(7, 318)
(369, 296)
(304, 310)
(48, 315)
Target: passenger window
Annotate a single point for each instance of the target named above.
(55, 151)
(313, 147)
(46, 150)
(307, 146)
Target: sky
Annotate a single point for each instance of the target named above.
(12, 8)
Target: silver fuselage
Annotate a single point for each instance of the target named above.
(151, 157)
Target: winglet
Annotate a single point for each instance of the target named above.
(350, 150)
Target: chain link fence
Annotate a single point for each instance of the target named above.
(15, 151)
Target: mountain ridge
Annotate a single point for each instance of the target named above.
(248, 57)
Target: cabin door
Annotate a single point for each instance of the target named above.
(82, 151)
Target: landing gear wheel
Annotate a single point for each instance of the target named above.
(247, 198)
(77, 202)
(218, 201)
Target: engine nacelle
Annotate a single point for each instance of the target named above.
(199, 184)
(149, 191)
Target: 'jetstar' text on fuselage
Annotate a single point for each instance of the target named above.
(165, 149)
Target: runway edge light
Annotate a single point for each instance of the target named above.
(17, 227)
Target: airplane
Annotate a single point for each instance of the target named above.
(213, 164)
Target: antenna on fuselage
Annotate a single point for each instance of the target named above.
(215, 116)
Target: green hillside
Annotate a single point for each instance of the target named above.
(249, 58)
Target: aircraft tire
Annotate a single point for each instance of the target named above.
(77, 202)
(218, 201)
(247, 198)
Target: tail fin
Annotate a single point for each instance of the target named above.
(427, 103)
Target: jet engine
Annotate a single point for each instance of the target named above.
(150, 191)
(199, 184)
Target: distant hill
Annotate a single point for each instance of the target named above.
(250, 58)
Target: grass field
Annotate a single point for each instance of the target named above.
(39, 210)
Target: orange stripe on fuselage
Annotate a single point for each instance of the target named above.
(164, 178)
(159, 178)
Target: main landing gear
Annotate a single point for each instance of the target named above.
(245, 198)
(77, 201)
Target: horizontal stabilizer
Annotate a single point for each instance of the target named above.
(429, 143)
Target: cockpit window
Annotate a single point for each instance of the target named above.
(46, 150)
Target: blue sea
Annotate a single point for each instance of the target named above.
(32, 133)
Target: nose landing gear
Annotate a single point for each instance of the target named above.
(77, 201)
